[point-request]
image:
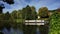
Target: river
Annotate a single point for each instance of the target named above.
(16, 31)
(26, 30)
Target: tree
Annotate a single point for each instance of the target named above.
(58, 10)
(34, 13)
(2, 5)
(14, 14)
(26, 13)
(8, 1)
(54, 23)
(19, 14)
(7, 16)
(5, 20)
(29, 13)
(1, 8)
(43, 12)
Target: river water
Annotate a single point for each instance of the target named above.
(12, 31)
(26, 30)
(16, 31)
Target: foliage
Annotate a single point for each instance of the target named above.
(5, 20)
(43, 12)
(29, 13)
(7, 16)
(14, 14)
(34, 13)
(8, 1)
(55, 23)
(2, 4)
(17, 16)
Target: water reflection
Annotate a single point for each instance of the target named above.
(16, 31)
(27, 30)
(12, 31)
(37, 31)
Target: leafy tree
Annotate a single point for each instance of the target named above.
(34, 13)
(14, 14)
(43, 12)
(7, 16)
(19, 16)
(26, 13)
(2, 5)
(54, 23)
(1, 8)
(5, 20)
(1, 17)
(58, 10)
(8, 20)
(29, 13)
(23, 13)
(9, 1)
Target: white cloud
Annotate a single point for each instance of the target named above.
(19, 4)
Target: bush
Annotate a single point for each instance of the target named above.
(55, 23)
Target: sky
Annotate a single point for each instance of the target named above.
(19, 4)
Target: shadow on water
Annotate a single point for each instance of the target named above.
(29, 29)
(1, 33)
(33, 29)
(25, 29)
(37, 30)
(44, 29)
